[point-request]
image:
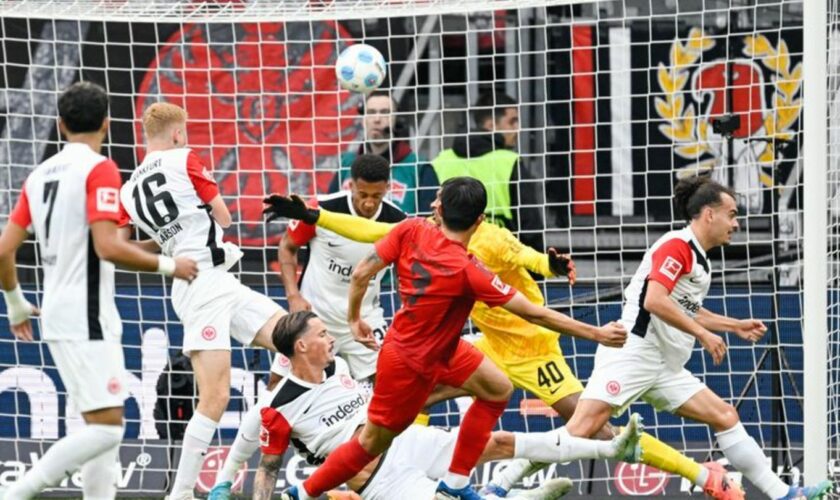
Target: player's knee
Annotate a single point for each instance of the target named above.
(501, 390)
(214, 401)
(726, 418)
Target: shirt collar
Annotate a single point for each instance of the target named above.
(693, 237)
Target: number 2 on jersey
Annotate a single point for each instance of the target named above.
(151, 199)
(50, 192)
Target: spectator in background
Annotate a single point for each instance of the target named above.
(385, 136)
(487, 155)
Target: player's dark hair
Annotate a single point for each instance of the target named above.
(462, 201)
(693, 193)
(370, 168)
(288, 329)
(491, 104)
(83, 107)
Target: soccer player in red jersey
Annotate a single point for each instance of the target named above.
(439, 283)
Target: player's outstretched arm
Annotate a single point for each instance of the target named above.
(359, 280)
(748, 329)
(266, 476)
(658, 302)
(350, 226)
(612, 334)
(18, 308)
(514, 252)
(111, 247)
(287, 255)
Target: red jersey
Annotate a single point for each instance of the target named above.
(438, 284)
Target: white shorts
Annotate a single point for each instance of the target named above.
(362, 361)
(638, 371)
(215, 307)
(413, 465)
(93, 372)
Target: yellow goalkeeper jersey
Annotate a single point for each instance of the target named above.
(509, 335)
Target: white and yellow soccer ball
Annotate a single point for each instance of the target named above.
(360, 68)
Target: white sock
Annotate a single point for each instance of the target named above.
(65, 457)
(511, 474)
(197, 437)
(456, 481)
(746, 456)
(246, 443)
(559, 446)
(99, 476)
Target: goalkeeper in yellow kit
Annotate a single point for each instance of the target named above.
(530, 355)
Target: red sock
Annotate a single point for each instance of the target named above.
(340, 466)
(475, 431)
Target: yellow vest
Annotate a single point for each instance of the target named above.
(493, 169)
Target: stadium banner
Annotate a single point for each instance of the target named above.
(640, 100)
(34, 410)
(146, 468)
(622, 120)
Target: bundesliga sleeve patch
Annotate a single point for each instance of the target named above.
(500, 285)
(671, 268)
(107, 200)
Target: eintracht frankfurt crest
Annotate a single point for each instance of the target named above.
(694, 92)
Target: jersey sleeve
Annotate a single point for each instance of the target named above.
(389, 247)
(103, 192)
(300, 232)
(201, 178)
(508, 251)
(669, 262)
(486, 286)
(21, 214)
(274, 432)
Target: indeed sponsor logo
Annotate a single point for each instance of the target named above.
(344, 410)
(688, 304)
(343, 271)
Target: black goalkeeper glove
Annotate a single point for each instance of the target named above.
(561, 265)
(291, 207)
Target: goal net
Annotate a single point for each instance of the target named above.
(617, 100)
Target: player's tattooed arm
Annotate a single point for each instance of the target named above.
(365, 270)
(266, 477)
(362, 274)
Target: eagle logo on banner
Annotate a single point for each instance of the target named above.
(694, 93)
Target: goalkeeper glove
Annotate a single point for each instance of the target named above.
(292, 207)
(561, 264)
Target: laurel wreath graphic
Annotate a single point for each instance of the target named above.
(689, 132)
(787, 103)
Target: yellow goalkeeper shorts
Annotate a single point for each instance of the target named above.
(546, 376)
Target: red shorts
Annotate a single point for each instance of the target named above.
(400, 393)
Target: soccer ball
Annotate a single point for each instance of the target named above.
(360, 68)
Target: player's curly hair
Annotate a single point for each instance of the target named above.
(288, 329)
(370, 168)
(462, 201)
(83, 107)
(692, 194)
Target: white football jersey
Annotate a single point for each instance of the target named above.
(167, 198)
(314, 418)
(677, 261)
(326, 278)
(59, 201)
